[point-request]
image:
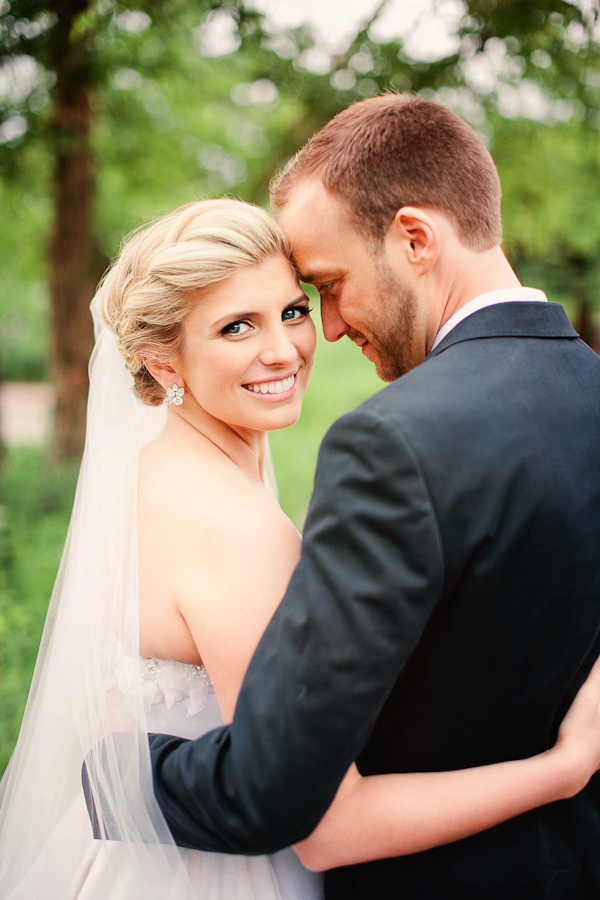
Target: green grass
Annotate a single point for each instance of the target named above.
(34, 516)
(24, 328)
(35, 504)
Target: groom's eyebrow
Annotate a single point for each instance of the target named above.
(312, 278)
(318, 276)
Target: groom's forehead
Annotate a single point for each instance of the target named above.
(310, 205)
(317, 265)
(318, 227)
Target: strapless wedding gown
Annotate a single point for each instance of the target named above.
(179, 699)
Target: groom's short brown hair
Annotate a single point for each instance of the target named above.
(400, 150)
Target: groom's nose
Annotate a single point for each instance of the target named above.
(334, 326)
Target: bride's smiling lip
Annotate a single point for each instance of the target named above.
(273, 390)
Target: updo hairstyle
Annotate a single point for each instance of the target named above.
(163, 270)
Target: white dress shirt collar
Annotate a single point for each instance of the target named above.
(504, 295)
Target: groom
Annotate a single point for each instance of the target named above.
(447, 603)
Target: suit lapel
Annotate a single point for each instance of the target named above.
(519, 319)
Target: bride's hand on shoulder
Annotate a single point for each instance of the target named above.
(578, 742)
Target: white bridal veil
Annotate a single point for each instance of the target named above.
(74, 712)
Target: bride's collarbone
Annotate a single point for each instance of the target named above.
(184, 483)
(181, 472)
(217, 448)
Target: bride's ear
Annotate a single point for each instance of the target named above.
(165, 374)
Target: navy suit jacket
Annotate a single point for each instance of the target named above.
(444, 612)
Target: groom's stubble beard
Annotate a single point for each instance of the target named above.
(392, 324)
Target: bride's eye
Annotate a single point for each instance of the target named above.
(295, 313)
(236, 329)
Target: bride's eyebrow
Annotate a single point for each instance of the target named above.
(299, 299)
(236, 316)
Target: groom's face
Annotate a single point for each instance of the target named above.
(362, 296)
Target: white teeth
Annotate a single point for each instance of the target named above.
(271, 387)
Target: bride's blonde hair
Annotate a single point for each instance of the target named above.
(162, 270)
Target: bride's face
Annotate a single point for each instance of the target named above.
(248, 348)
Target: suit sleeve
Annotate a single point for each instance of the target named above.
(370, 574)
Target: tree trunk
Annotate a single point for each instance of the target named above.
(585, 325)
(74, 264)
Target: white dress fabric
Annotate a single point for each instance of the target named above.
(180, 700)
(91, 689)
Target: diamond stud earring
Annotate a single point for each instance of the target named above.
(174, 396)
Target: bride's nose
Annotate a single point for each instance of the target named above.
(278, 348)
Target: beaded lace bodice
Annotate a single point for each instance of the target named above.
(163, 681)
(168, 681)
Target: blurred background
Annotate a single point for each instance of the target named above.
(112, 112)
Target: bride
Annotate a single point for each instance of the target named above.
(176, 558)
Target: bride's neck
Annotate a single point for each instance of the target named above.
(245, 447)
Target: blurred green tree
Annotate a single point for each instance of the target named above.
(60, 54)
(111, 111)
(550, 179)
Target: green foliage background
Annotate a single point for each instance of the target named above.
(173, 124)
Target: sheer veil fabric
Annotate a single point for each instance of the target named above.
(47, 848)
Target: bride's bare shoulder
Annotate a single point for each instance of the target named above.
(204, 532)
(203, 495)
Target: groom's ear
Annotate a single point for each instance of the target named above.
(415, 234)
